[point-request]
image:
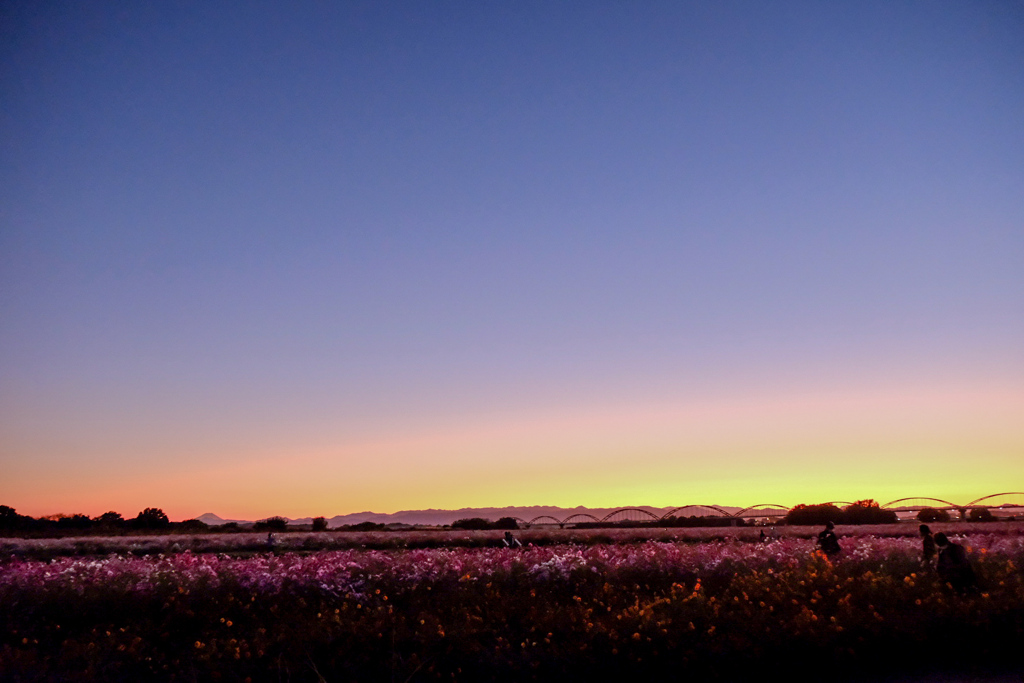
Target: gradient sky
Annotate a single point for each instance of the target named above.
(317, 258)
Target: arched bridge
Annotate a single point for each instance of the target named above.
(998, 504)
(1001, 503)
(644, 515)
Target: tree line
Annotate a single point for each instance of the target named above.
(155, 520)
(150, 519)
(869, 512)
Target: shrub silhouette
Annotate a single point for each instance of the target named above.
(151, 518)
(319, 524)
(473, 523)
(697, 521)
(506, 523)
(272, 524)
(862, 512)
(110, 520)
(868, 512)
(981, 515)
(932, 515)
(814, 514)
(10, 520)
(77, 522)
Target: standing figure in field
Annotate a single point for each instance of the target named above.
(927, 547)
(954, 567)
(511, 541)
(828, 541)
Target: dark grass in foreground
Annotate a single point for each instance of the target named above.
(722, 610)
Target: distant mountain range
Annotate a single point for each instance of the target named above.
(442, 517)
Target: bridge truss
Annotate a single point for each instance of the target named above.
(1000, 504)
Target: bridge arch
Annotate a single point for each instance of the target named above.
(544, 519)
(988, 501)
(644, 515)
(765, 507)
(580, 517)
(715, 508)
(944, 503)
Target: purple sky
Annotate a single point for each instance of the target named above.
(293, 228)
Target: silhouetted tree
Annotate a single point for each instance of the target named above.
(868, 512)
(11, 520)
(473, 523)
(272, 524)
(192, 525)
(981, 515)
(319, 524)
(77, 522)
(506, 523)
(151, 518)
(932, 515)
(110, 520)
(812, 515)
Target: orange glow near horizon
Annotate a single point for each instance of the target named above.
(957, 443)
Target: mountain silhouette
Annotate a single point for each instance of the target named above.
(438, 517)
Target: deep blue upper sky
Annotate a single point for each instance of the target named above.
(368, 208)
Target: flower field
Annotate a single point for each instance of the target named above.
(719, 609)
(238, 544)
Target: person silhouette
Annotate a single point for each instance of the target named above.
(927, 546)
(828, 541)
(953, 566)
(511, 541)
